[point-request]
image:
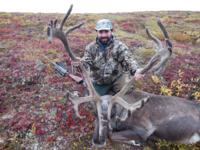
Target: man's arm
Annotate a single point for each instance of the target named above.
(90, 60)
(87, 59)
(126, 59)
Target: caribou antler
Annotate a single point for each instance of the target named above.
(162, 54)
(57, 32)
(155, 65)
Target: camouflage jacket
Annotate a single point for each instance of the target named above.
(108, 63)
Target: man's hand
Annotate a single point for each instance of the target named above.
(76, 62)
(138, 75)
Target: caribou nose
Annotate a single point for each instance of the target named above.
(98, 144)
(98, 141)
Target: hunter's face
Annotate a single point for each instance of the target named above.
(104, 35)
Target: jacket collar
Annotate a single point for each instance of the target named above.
(102, 45)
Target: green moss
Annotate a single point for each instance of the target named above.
(53, 51)
(4, 22)
(13, 144)
(196, 50)
(4, 14)
(163, 145)
(143, 55)
(84, 143)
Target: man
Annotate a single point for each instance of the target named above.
(109, 60)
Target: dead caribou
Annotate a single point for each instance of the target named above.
(148, 116)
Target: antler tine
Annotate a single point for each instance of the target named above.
(130, 107)
(66, 16)
(68, 49)
(51, 22)
(73, 28)
(89, 83)
(168, 42)
(79, 100)
(162, 28)
(150, 64)
(155, 39)
(55, 23)
(165, 53)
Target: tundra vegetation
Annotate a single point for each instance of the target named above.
(35, 112)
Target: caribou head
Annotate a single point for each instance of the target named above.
(104, 104)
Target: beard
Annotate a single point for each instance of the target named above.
(104, 40)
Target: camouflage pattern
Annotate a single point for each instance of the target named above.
(104, 24)
(108, 63)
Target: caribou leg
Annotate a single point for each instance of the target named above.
(129, 137)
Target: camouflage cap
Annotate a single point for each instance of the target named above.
(104, 24)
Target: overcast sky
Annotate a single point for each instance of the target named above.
(97, 6)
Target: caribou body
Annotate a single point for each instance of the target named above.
(144, 116)
(162, 117)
